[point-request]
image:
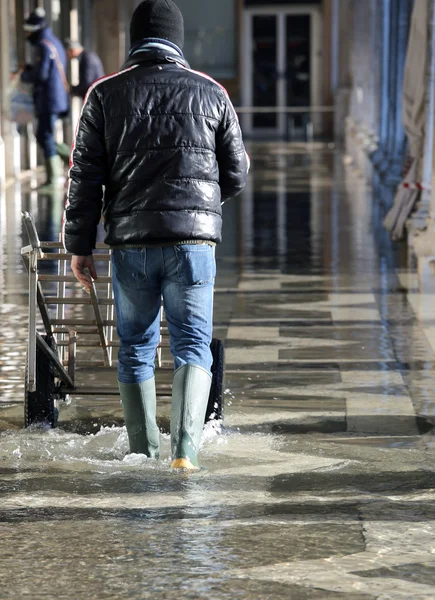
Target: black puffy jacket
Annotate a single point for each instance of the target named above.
(165, 142)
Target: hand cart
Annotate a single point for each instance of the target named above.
(75, 329)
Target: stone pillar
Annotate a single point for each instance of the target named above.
(76, 102)
(396, 137)
(427, 203)
(8, 131)
(428, 168)
(382, 75)
(329, 47)
(421, 227)
(129, 7)
(341, 35)
(361, 125)
(378, 41)
(21, 10)
(366, 93)
(4, 65)
(111, 33)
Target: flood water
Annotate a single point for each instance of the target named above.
(320, 481)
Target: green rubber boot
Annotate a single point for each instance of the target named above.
(55, 178)
(64, 152)
(139, 404)
(190, 392)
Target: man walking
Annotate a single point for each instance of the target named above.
(90, 67)
(50, 89)
(166, 143)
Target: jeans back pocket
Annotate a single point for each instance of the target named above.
(196, 264)
(129, 267)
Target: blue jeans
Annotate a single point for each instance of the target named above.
(45, 133)
(184, 277)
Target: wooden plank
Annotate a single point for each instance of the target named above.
(59, 245)
(80, 322)
(71, 279)
(84, 300)
(78, 330)
(100, 325)
(65, 256)
(162, 390)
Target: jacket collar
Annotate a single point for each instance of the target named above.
(147, 43)
(155, 56)
(37, 36)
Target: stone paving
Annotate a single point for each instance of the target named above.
(321, 483)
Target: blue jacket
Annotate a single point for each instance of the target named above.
(90, 69)
(49, 91)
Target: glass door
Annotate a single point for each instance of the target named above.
(265, 72)
(298, 60)
(281, 69)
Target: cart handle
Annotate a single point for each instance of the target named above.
(30, 228)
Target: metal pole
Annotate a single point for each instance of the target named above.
(33, 300)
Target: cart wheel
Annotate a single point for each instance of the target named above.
(39, 406)
(215, 400)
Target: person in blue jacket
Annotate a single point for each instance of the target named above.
(50, 88)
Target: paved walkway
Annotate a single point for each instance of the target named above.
(322, 483)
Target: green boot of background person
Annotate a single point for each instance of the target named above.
(190, 392)
(64, 151)
(139, 404)
(55, 174)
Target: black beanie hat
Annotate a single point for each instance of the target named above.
(36, 21)
(157, 19)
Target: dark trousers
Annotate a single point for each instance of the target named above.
(45, 133)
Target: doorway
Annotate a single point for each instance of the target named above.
(281, 68)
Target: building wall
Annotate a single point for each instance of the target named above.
(212, 39)
(211, 36)
(213, 44)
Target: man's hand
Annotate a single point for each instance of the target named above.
(84, 270)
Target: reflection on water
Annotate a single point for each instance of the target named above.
(13, 335)
(319, 485)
